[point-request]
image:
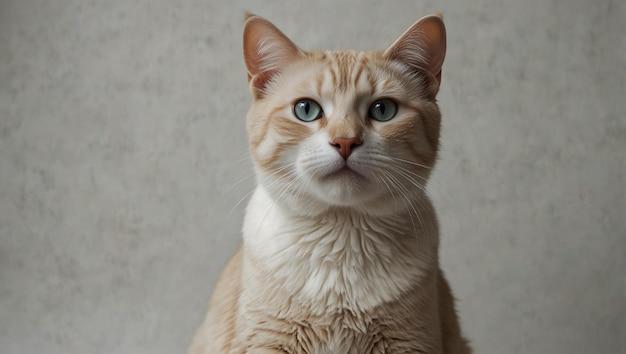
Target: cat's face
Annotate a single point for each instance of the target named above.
(344, 128)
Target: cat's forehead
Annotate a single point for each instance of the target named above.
(333, 73)
(347, 64)
(345, 59)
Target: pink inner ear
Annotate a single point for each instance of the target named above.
(434, 37)
(266, 49)
(422, 46)
(261, 80)
(253, 31)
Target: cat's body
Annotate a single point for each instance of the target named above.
(340, 249)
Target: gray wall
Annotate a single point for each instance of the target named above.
(122, 162)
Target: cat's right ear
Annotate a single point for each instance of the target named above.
(422, 48)
(265, 50)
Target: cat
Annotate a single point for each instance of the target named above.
(340, 251)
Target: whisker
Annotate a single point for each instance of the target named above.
(387, 162)
(253, 174)
(416, 200)
(408, 178)
(238, 182)
(418, 197)
(412, 173)
(231, 163)
(409, 162)
(239, 202)
(278, 180)
(383, 178)
(404, 193)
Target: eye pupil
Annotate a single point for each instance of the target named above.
(383, 110)
(307, 110)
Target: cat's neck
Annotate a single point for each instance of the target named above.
(342, 257)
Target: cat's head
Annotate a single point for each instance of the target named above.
(344, 128)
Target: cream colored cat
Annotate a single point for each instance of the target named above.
(340, 251)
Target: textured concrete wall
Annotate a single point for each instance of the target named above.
(122, 161)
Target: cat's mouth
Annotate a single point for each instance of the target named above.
(344, 172)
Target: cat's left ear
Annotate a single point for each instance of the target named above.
(265, 50)
(422, 48)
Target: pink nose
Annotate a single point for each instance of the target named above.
(345, 146)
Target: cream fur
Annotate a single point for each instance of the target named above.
(339, 255)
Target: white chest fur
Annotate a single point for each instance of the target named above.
(339, 260)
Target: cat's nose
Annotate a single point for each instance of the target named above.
(345, 146)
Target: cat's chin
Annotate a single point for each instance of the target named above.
(344, 187)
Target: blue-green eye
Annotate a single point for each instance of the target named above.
(307, 110)
(383, 110)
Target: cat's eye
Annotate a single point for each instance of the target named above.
(307, 110)
(383, 110)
